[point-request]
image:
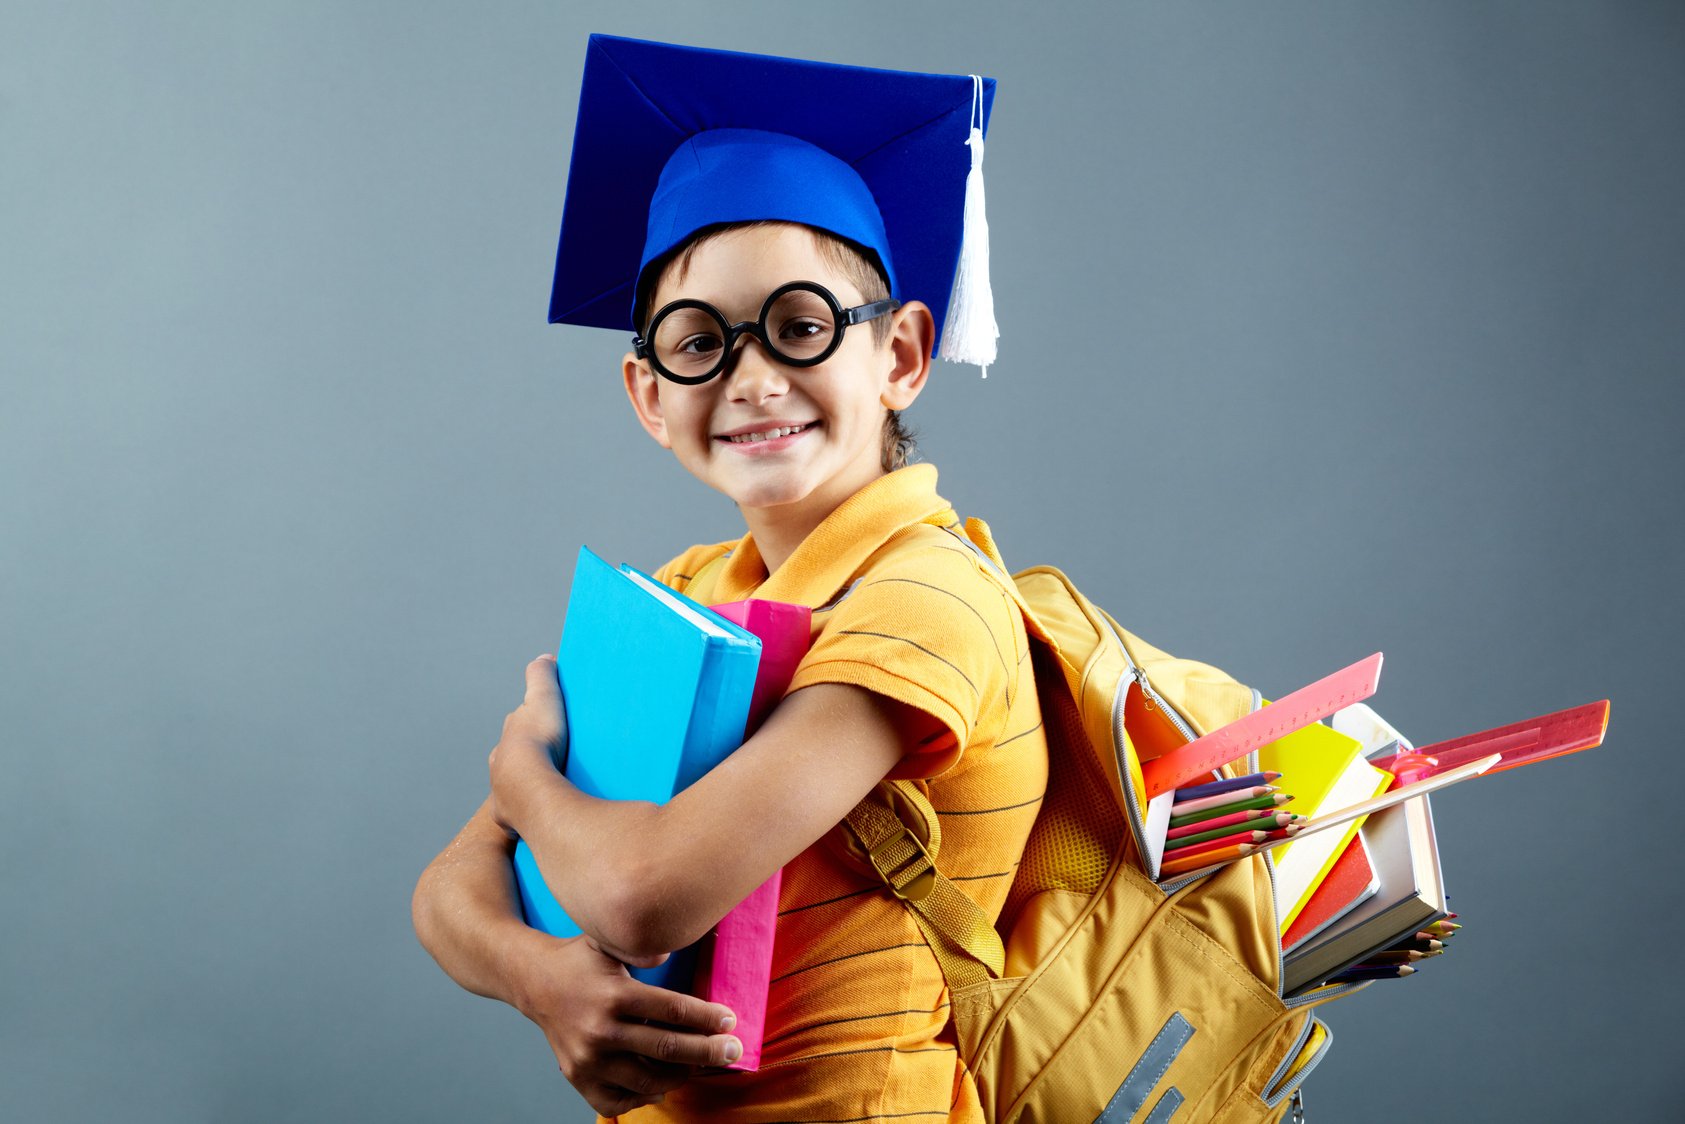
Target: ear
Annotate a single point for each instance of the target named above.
(910, 345)
(643, 387)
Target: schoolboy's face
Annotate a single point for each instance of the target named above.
(720, 430)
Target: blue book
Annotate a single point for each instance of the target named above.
(657, 692)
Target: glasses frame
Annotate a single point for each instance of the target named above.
(844, 319)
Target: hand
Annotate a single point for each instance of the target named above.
(534, 738)
(621, 1043)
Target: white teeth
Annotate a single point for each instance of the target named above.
(767, 435)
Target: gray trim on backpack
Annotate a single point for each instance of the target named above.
(1147, 1071)
(1166, 1106)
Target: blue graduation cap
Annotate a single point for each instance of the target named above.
(673, 139)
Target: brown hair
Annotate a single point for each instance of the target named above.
(857, 263)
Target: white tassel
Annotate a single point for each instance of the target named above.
(970, 332)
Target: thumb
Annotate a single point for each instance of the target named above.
(541, 680)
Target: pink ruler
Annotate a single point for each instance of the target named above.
(1263, 726)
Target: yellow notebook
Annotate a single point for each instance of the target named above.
(1323, 770)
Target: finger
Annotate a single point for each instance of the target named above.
(687, 1012)
(541, 680)
(679, 1047)
(640, 1076)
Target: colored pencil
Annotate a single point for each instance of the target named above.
(1211, 845)
(1386, 972)
(1255, 817)
(1228, 839)
(1439, 929)
(1184, 807)
(1411, 944)
(1275, 800)
(1205, 859)
(1407, 957)
(1217, 788)
(1239, 834)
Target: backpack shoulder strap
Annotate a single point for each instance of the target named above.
(961, 935)
(964, 938)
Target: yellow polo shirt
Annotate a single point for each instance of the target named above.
(857, 1010)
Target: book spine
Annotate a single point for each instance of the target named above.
(735, 965)
(722, 708)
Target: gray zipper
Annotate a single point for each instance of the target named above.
(1119, 740)
(1131, 803)
(1320, 993)
(1278, 1095)
(1287, 1062)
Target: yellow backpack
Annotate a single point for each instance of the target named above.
(1111, 998)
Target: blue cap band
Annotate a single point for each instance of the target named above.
(748, 175)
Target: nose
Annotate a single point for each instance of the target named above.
(752, 375)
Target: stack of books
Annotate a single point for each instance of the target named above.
(658, 690)
(1391, 925)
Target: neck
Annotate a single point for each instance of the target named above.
(775, 537)
(778, 530)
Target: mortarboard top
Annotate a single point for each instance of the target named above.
(671, 139)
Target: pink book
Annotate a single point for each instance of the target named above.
(734, 963)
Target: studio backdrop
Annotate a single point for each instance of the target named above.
(1325, 329)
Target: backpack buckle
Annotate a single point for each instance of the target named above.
(914, 887)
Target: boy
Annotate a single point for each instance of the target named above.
(778, 341)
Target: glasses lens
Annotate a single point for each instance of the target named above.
(688, 341)
(801, 325)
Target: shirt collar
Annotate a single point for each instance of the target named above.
(836, 549)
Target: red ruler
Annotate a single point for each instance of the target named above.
(1521, 743)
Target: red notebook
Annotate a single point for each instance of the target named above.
(734, 964)
(1348, 882)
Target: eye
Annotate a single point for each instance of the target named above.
(802, 329)
(697, 345)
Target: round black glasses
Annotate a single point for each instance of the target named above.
(801, 325)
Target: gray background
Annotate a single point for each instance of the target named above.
(1326, 328)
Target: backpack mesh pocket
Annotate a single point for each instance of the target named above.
(1080, 826)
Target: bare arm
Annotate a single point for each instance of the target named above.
(648, 878)
(466, 913)
(619, 1042)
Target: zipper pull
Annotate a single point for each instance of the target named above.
(1298, 1106)
(1146, 691)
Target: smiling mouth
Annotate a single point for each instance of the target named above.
(767, 434)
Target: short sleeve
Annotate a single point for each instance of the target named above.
(927, 629)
